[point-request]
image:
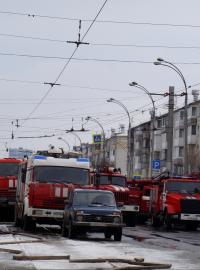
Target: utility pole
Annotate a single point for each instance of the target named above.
(170, 131)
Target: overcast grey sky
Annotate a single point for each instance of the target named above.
(86, 83)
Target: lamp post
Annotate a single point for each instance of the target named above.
(170, 65)
(152, 123)
(103, 132)
(60, 138)
(78, 137)
(129, 161)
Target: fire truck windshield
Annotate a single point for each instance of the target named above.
(9, 169)
(112, 180)
(56, 174)
(183, 187)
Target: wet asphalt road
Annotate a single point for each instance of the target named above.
(178, 247)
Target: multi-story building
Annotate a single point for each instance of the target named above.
(142, 145)
(19, 152)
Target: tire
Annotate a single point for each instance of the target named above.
(28, 224)
(64, 230)
(192, 225)
(167, 221)
(118, 235)
(155, 221)
(71, 231)
(131, 220)
(107, 234)
(17, 220)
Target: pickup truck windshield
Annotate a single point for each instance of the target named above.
(113, 180)
(93, 199)
(9, 169)
(180, 186)
(56, 174)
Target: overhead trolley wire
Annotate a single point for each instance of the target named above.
(89, 59)
(64, 67)
(34, 15)
(102, 44)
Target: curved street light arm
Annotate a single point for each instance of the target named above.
(172, 66)
(124, 107)
(148, 93)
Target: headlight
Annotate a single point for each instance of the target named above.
(117, 219)
(79, 218)
(79, 212)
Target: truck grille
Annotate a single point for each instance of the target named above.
(96, 218)
(121, 196)
(51, 203)
(190, 206)
(8, 193)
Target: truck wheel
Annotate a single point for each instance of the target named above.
(71, 231)
(167, 221)
(28, 224)
(108, 234)
(118, 234)
(131, 220)
(155, 221)
(192, 225)
(64, 230)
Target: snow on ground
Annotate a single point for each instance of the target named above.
(175, 248)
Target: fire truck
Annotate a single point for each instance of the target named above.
(9, 168)
(140, 195)
(43, 186)
(175, 201)
(112, 180)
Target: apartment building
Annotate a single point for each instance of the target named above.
(142, 142)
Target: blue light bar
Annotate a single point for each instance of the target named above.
(39, 157)
(82, 159)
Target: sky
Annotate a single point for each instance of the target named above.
(124, 41)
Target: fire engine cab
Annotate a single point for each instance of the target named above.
(175, 201)
(44, 185)
(9, 168)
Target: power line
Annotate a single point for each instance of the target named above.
(32, 15)
(102, 44)
(66, 64)
(89, 59)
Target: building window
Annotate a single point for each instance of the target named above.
(181, 131)
(194, 111)
(181, 115)
(194, 130)
(159, 123)
(180, 151)
(113, 152)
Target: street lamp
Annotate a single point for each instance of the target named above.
(103, 132)
(60, 138)
(78, 137)
(129, 161)
(153, 122)
(170, 65)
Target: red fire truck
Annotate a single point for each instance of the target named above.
(140, 195)
(44, 185)
(112, 180)
(9, 168)
(175, 201)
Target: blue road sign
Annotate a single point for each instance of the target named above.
(97, 138)
(156, 164)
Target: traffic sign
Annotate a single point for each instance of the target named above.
(97, 138)
(156, 164)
